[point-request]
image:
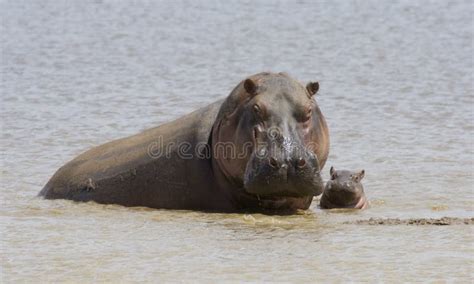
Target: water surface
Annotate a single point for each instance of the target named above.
(396, 89)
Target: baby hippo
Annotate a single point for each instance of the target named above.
(344, 190)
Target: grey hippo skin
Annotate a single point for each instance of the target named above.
(262, 147)
(344, 190)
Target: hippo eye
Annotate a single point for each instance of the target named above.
(307, 114)
(355, 178)
(257, 110)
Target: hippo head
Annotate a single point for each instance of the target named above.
(270, 138)
(344, 190)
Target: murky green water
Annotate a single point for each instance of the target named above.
(396, 89)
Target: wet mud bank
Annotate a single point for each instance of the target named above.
(415, 221)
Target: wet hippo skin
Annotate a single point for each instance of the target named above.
(344, 190)
(262, 147)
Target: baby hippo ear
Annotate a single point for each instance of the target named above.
(312, 88)
(361, 174)
(332, 170)
(250, 87)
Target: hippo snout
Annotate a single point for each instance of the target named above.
(283, 175)
(298, 164)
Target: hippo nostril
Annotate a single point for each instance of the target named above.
(273, 162)
(301, 163)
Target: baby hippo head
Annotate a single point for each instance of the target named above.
(344, 190)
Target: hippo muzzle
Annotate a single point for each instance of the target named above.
(282, 166)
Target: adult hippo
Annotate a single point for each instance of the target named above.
(262, 147)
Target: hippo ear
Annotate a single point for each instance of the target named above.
(333, 173)
(361, 174)
(312, 88)
(250, 87)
